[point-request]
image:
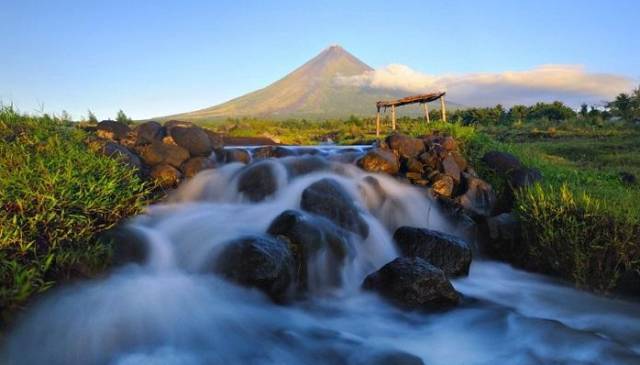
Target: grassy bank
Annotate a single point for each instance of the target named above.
(56, 197)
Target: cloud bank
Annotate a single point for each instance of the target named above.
(571, 84)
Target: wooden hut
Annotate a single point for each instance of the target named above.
(422, 99)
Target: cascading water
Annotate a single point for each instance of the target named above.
(173, 310)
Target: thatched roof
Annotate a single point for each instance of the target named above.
(424, 98)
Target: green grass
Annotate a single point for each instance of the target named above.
(56, 198)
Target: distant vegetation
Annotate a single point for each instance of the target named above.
(56, 198)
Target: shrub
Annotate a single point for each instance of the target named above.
(56, 198)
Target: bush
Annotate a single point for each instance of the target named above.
(56, 198)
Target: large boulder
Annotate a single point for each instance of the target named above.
(121, 153)
(161, 153)
(237, 155)
(257, 181)
(272, 152)
(524, 177)
(479, 199)
(297, 166)
(380, 160)
(166, 175)
(449, 253)
(216, 139)
(413, 283)
(311, 237)
(261, 262)
(193, 139)
(501, 162)
(405, 146)
(450, 167)
(196, 164)
(328, 198)
(129, 245)
(112, 130)
(149, 132)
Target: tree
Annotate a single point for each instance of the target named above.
(122, 117)
(584, 110)
(92, 117)
(622, 107)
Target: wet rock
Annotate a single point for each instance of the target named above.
(196, 164)
(628, 178)
(449, 143)
(460, 160)
(414, 165)
(405, 146)
(413, 283)
(307, 151)
(193, 139)
(503, 227)
(150, 132)
(524, 177)
(166, 176)
(303, 165)
(260, 262)
(129, 245)
(448, 253)
(479, 199)
(112, 130)
(257, 181)
(443, 185)
(431, 160)
(501, 162)
(328, 198)
(450, 167)
(310, 236)
(348, 157)
(271, 152)
(121, 153)
(390, 358)
(380, 160)
(216, 139)
(161, 153)
(237, 155)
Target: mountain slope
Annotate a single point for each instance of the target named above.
(308, 92)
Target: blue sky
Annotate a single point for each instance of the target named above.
(153, 58)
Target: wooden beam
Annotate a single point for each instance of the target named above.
(424, 98)
(443, 109)
(378, 124)
(393, 117)
(426, 112)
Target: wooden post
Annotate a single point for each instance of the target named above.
(426, 112)
(378, 124)
(443, 109)
(393, 117)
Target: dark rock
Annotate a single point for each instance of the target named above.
(405, 146)
(121, 153)
(149, 132)
(261, 262)
(237, 155)
(431, 160)
(413, 283)
(328, 198)
(449, 253)
(112, 130)
(390, 358)
(380, 160)
(348, 157)
(216, 139)
(414, 165)
(196, 164)
(193, 139)
(129, 245)
(271, 152)
(443, 185)
(158, 153)
(501, 162)
(297, 166)
(257, 181)
(524, 177)
(460, 160)
(177, 123)
(166, 176)
(310, 236)
(450, 167)
(307, 151)
(479, 199)
(503, 227)
(628, 178)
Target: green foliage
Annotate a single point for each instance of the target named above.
(91, 118)
(123, 118)
(56, 198)
(626, 106)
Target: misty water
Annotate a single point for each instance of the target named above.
(171, 310)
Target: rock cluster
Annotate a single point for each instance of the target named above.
(166, 153)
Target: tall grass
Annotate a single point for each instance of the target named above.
(56, 197)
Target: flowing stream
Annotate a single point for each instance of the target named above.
(172, 311)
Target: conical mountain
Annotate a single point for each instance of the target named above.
(311, 91)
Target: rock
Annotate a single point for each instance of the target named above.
(121, 153)
(169, 140)
(129, 245)
(628, 178)
(271, 152)
(257, 181)
(380, 160)
(449, 143)
(431, 159)
(479, 199)
(166, 176)
(443, 185)
(309, 237)
(501, 162)
(161, 153)
(448, 253)
(196, 164)
(503, 227)
(450, 167)
(524, 177)
(413, 283)
(260, 262)
(112, 130)
(348, 157)
(177, 123)
(237, 155)
(460, 160)
(150, 132)
(297, 166)
(193, 139)
(307, 151)
(328, 198)
(390, 358)
(414, 165)
(405, 146)
(216, 139)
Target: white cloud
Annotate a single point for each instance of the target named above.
(569, 83)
